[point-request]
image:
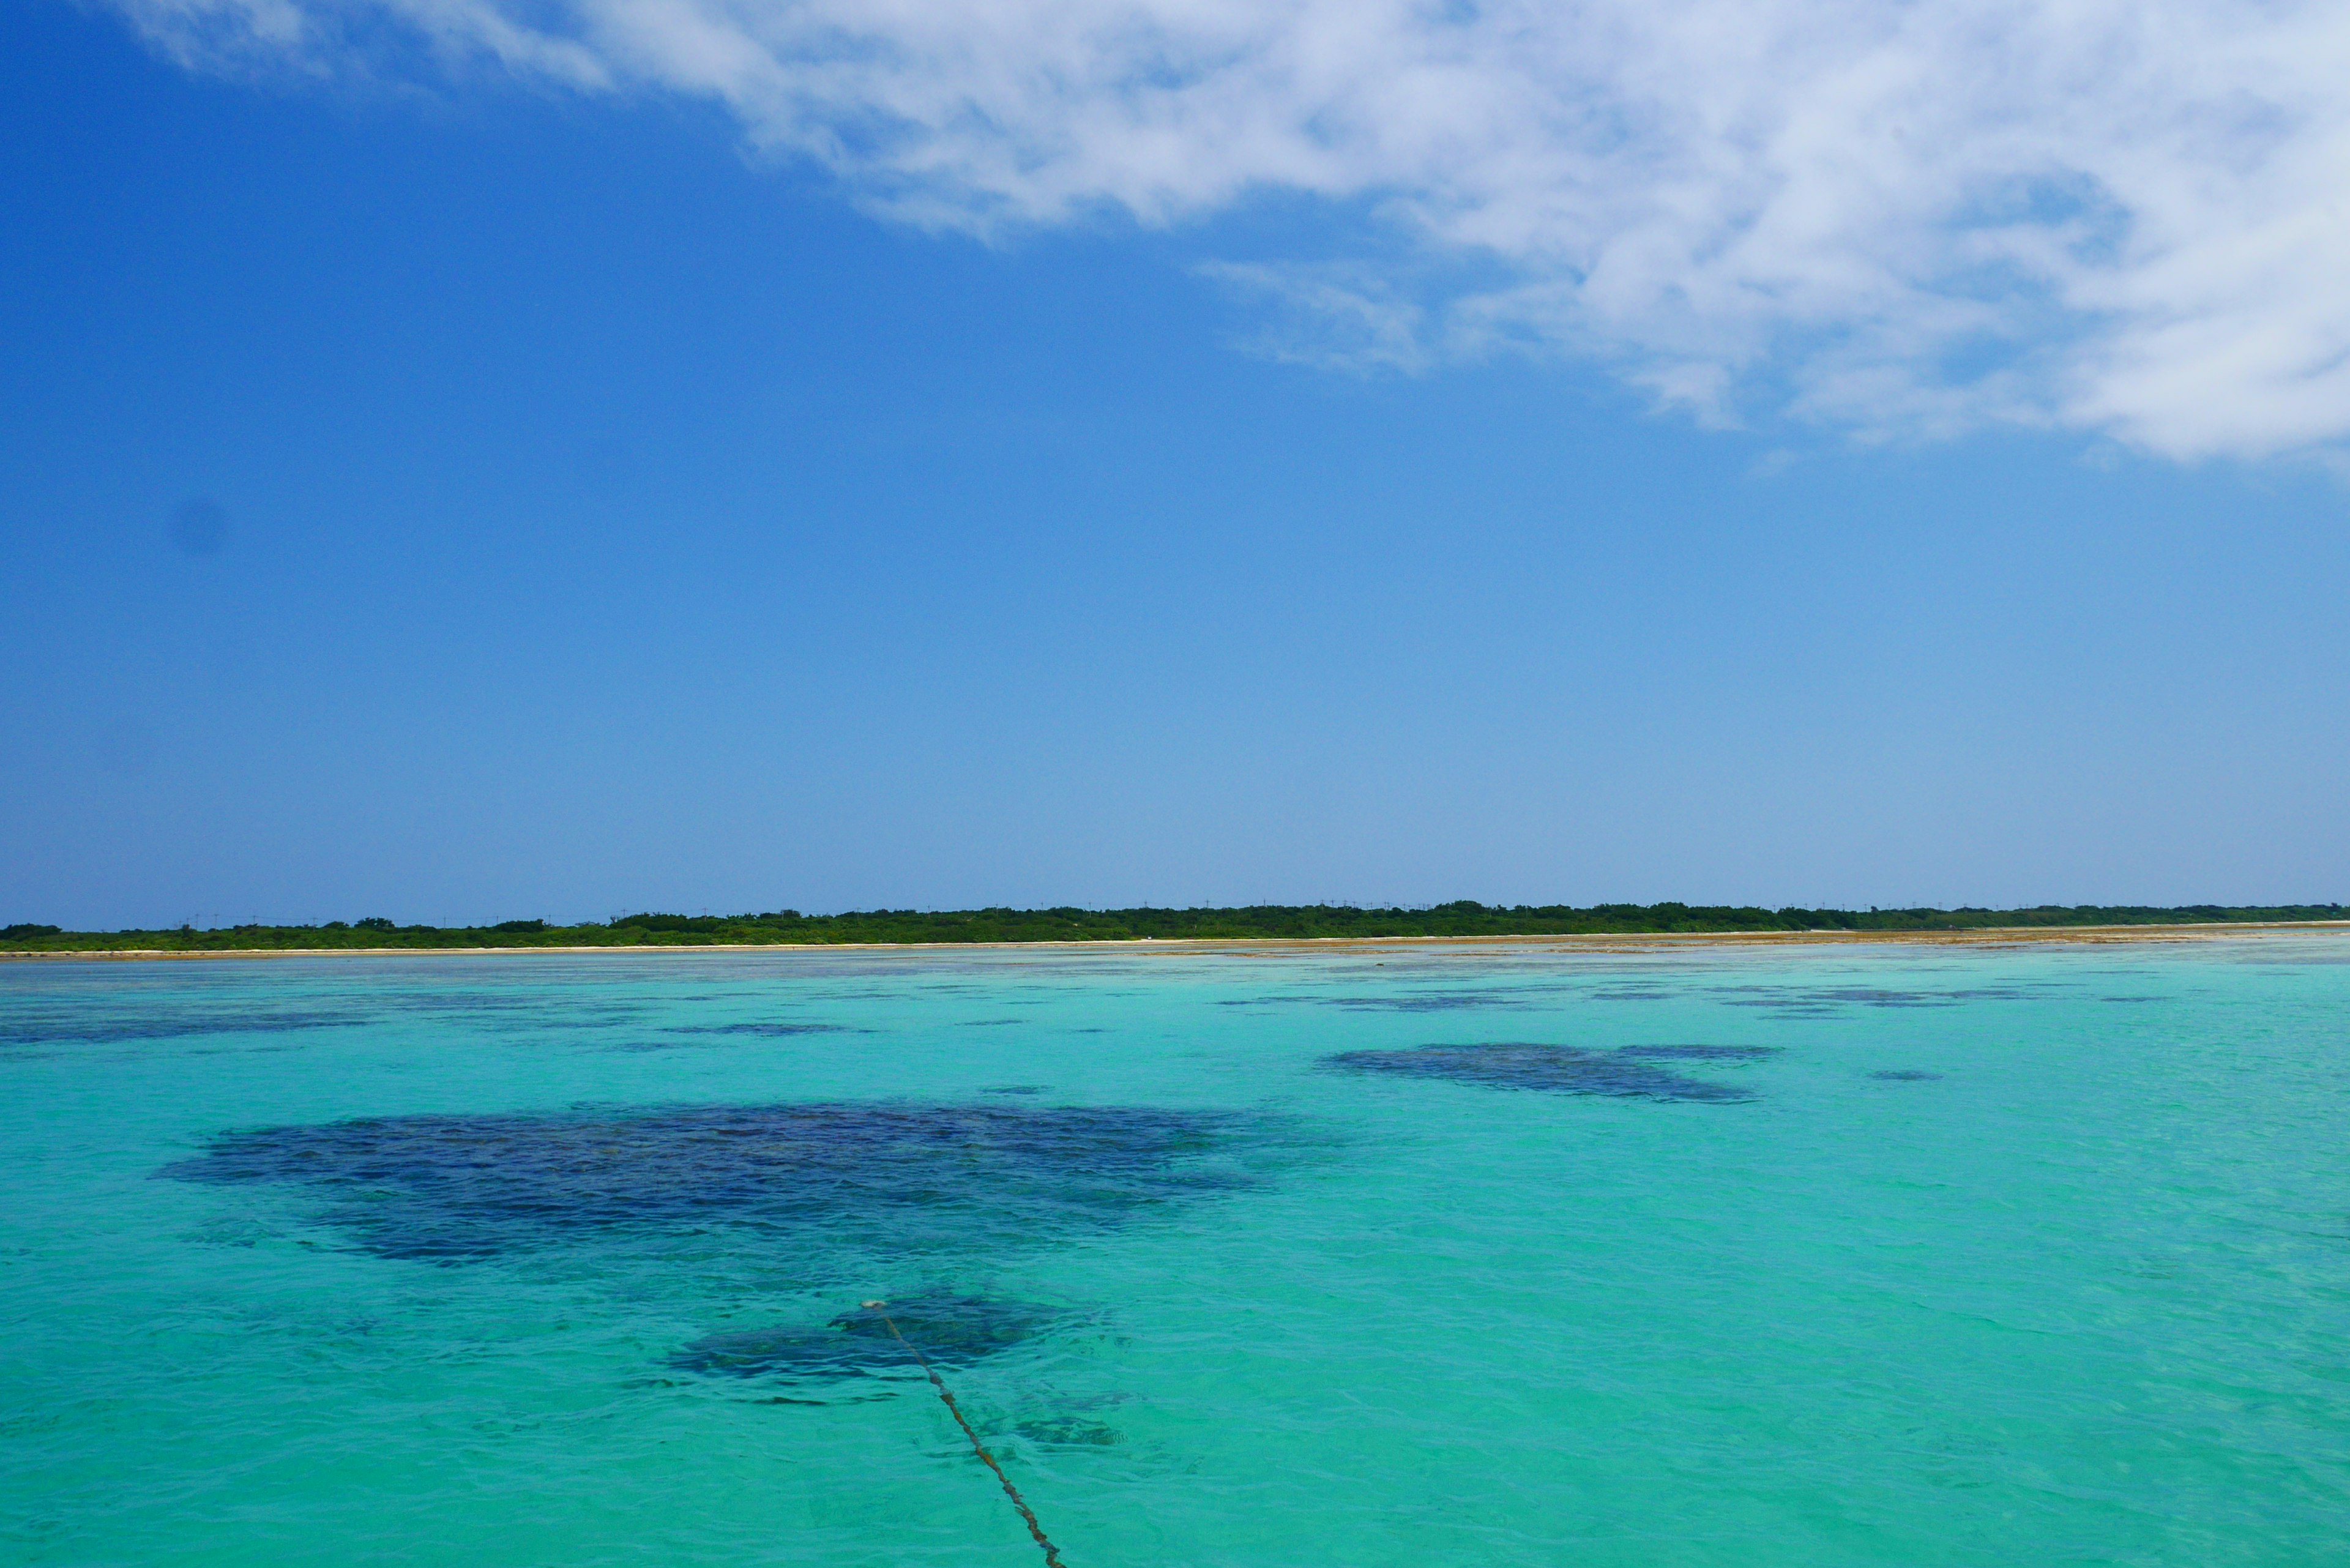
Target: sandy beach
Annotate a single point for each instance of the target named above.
(1986, 937)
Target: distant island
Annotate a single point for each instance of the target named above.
(787, 928)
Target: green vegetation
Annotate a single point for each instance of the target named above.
(789, 927)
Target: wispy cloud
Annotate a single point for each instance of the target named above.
(1906, 219)
(1337, 318)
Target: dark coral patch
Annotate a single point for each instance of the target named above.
(949, 1329)
(895, 1175)
(1813, 1001)
(165, 1024)
(1560, 1069)
(1418, 1001)
(1698, 1053)
(1440, 1001)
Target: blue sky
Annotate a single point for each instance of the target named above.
(624, 509)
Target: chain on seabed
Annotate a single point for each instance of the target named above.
(1052, 1555)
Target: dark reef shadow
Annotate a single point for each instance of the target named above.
(1426, 1001)
(1559, 1069)
(1814, 1002)
(948, 1329)
(1699, 1053)
(893, 1175)
(164, 1025)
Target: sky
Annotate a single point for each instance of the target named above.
(470, 461)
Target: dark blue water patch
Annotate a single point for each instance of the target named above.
(1815, 1001)
(465, 1001)
(903, 1177)
(1905, 1075)
(65, 1030)
(774, 1031)
(1444, 1002)
(698, 1042)
(1013, 1089)
(510, 1010)
(1559, 1069)
(1698, 1053)
(551, 1021)
(2131, 998)
(949, 1329)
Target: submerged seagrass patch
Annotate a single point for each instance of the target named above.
(895, 1175)
(1624, 1074)
(949, 1329)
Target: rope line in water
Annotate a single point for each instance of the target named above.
(1052, 1556)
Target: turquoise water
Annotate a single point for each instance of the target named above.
(556, 1259)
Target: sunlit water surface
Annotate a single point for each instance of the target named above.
(1813, 1256)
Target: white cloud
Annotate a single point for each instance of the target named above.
(2124, 216)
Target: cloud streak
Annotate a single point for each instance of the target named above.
(1904, 219)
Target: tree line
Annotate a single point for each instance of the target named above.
(1461, 919)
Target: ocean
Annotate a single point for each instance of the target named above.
(1507, 1254)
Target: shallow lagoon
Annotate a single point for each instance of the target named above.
(1837, 1255)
